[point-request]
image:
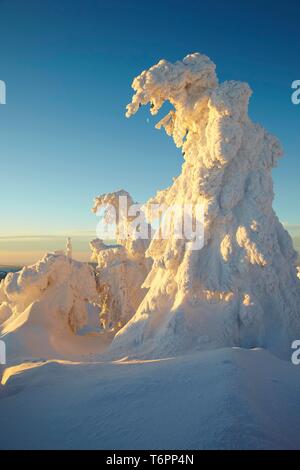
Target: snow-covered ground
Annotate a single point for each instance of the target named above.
(221, 399)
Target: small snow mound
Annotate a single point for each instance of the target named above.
(46, 305)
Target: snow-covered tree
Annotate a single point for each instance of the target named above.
(121, 267)
(242, 287)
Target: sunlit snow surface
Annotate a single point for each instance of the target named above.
(222, 399)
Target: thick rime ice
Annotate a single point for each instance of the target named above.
(45, 307)
(241, 288)
(121, 268)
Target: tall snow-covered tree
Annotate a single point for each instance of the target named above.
(241, 288)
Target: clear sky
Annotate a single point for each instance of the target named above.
(68, 66)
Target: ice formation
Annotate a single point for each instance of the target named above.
(241, 288)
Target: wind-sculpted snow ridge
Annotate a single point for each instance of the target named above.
(241, 288)
(48, 309)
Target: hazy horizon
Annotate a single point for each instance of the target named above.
(27, 249)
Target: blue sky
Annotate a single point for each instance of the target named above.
(68, 67)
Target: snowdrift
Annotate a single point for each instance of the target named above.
(221, 399)
(49, 310)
